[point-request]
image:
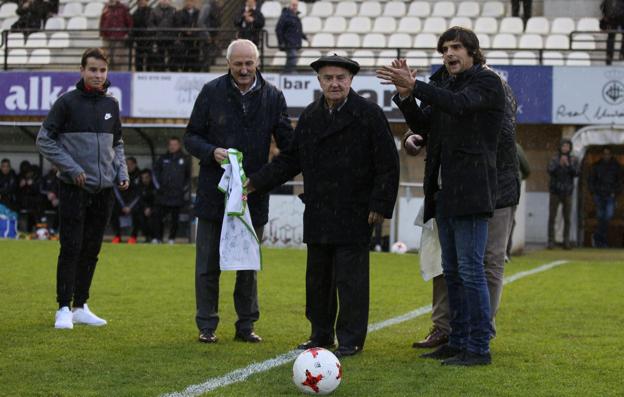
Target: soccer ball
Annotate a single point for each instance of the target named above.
(398, 248)
(317, 371)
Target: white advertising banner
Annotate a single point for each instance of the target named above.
(588, 95)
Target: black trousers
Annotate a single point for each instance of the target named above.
(207, 273)
(159, 219)
(83, 217)
(527, 6)
(338, 274)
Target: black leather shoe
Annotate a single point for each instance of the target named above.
(311, 343)
(469, 359)
(250, 337)
(207, 337)
(346, 351)
(442, 353)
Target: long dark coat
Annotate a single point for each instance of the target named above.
(350, 167)
(460, 119)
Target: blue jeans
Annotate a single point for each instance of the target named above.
(463, 240)
(291, 60)
(605, 207)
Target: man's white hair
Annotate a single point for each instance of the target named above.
(250, 43)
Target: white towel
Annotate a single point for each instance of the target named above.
(239, 248)
(430, 252)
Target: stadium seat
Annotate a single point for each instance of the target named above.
(552, 58)
(311, 24)
(386, 57)
(562, 26)
(348, 40)
(370, 9)
(484, 40)
(346, 9)
(419, 9)
(7, 23)
(364, 57)
(418, 58)
(464, 22)
(511, 25)
(531, 41)
(588, 24)
(384, 25)
(425, 40)
(271, 9)
(59, 40)
(359, 25)
(537, 25)
(15, 40)
(410, 25)
(93, 10)
(55, 23)
(335, 25)
(376, 40)
(444, 9)
(494, 9)
(395, 9)
(524, 58)
(18, 56)
(400, 40)
(77, 23)
(39, 56)
(497, 58)
(323, 40)
(7, 10)
(504, 40)
(557, 42)
(279, 59)
(487, 25)
(578, 58)
(37, 40)
(71, 10)
(341, 53)
(468, 9)
(583, 42)
(434, 25)
(308, 56)
(322, 9)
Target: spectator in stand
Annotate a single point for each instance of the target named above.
(605, 183)
(49, 189)
(612, 19)
(115, 24)
(172, 177)
(562, 168)
(28, 200)
(147, 197)
(527, 6)
(161, 22)
(210, 18)
(8, 184)
(140, 36)
(32, 15)
(187, 59)
(250, 22)
(290, 34)
(126, 209)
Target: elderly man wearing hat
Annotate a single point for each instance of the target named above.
(345, 150)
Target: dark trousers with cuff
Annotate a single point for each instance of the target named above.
(83, 217)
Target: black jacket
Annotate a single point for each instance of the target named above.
(350, 167)
(507, 166)
(460, 119)
(161, 20)
(562, 176)
(186, 19)
(172, 177)
(147, 196)
(224, 118)
(8, 189)
(605, 178)
(289, 30)
(140, 22)
(130, 196)
(250, 31)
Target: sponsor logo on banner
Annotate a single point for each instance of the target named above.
(34, 93)
(588, 95)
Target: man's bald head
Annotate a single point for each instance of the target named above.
(242, 58)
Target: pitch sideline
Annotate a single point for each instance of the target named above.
(241, 374)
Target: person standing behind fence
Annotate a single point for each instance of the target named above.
(32, 15)
(147, 199)
(605, 183)
(290, 34)
(115, 24)
(8, 184)
(161, 24)
(210, 19)
(140, 35)
(612, 19)
(250, 22)
(187, 58)
(172, 177)
(562, 168)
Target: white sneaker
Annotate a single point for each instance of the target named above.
(85, 316)
(63, 318)
(155, 241)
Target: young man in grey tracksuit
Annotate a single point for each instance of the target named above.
(82, 137)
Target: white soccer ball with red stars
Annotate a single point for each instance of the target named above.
(398, 248)
(317, 371)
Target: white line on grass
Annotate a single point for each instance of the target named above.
(242, 374)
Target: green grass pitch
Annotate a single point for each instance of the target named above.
(560, 332)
